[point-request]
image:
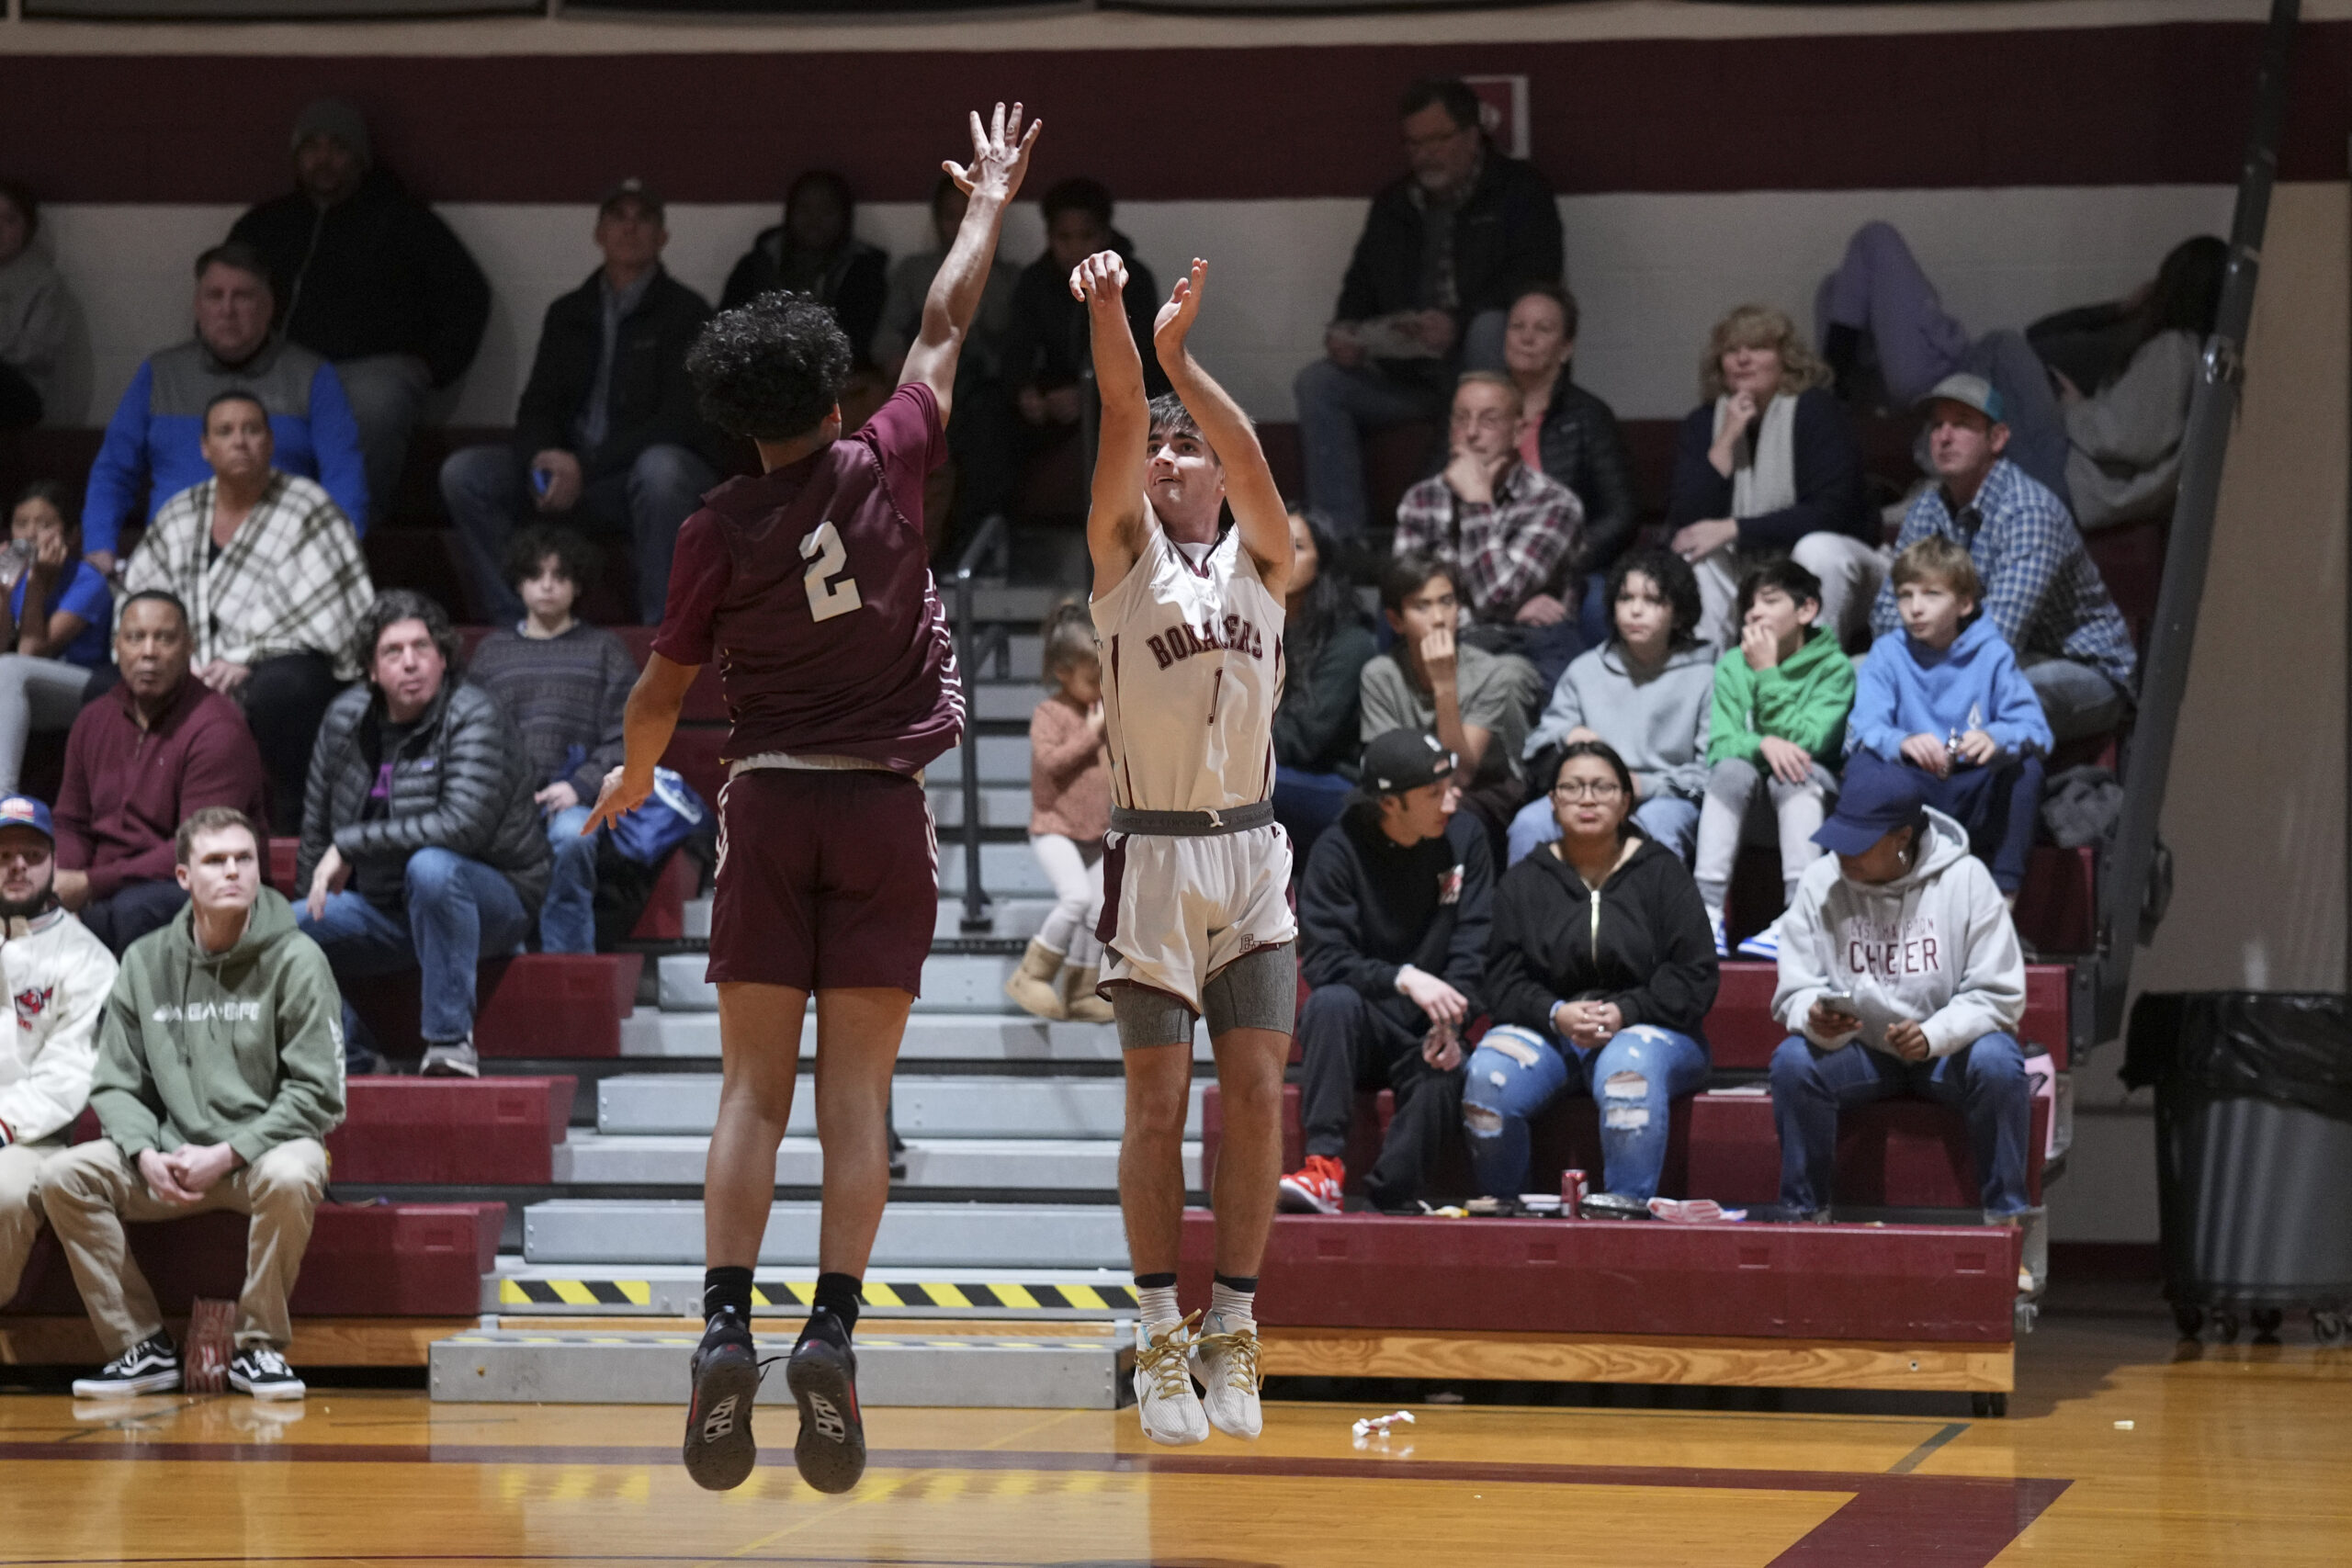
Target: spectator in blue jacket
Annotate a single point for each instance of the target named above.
(153, 447)
(1767, 464)
(1945, 696)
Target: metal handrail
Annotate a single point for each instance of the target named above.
(990, 550)
(2126, 919)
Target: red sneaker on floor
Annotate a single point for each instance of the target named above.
(1315, 1190)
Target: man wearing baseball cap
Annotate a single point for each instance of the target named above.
(58, 977)
(607, 436)
(2042, 592)
(1899, 973)
(1392, 913)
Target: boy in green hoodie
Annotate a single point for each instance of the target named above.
(220, 1071)
(1782, 697)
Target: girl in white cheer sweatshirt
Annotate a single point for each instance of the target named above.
(1935, 946)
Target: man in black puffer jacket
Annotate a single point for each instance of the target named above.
(421, 848)
(1392, 917)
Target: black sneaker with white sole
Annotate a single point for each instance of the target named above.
(152, 1366)
(726, 1371)
(260, 1371)
(822, 1372)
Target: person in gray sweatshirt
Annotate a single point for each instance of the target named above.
(1900, 973)
(1647, 691)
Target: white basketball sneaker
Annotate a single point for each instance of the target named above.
(1170, 1410)
(1225, 1355)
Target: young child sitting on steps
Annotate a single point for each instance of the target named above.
(1944, 694)
(1782, 697)
(1069, 810)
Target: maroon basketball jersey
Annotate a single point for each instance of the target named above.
(811, 587)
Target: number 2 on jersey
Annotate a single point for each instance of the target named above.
(827, 554)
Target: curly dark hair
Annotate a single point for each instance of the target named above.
(773, 369)
(1677, 584)
(394, 606)
(575, 557)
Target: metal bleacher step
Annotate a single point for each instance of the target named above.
(1004, 701)
(930, 1037)
(952, 981)
(1025, 1165)
(1001, 805)
(931, 1108)
(942, 1370)
(987, 1235)
(518, 1286)
(1004, 760)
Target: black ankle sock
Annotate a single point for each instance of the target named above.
(726, 1289)
(1245, 1283)
(1155, 1282)
(834, 1306)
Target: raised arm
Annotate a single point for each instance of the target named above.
(1249, 489)
(1114, 521)
(1000, 159)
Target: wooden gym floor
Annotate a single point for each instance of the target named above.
(2120, 1449)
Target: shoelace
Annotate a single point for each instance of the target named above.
(1163, 1359)
(1241, 1347)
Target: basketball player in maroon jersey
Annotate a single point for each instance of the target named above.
(811, 587)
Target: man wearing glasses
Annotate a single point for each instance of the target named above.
(1509, 528)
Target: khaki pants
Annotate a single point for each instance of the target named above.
(90, 1190)
(19, 1209)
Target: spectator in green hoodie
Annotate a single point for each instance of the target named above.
(219, 1073)
(1782, 697)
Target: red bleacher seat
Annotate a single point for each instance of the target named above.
(1899, 1284)
(405, 1130)
(1742, 1035)
(539, 1005)
(1901, 1154)
(365, 1260)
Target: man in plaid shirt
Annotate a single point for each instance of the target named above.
(1507, 528)
(2041, 589)
(275, 586)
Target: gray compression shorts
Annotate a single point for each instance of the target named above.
(1257, 991)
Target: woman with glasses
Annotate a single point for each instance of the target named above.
(1600, 974)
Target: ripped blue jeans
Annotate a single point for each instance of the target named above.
(1516, 1072)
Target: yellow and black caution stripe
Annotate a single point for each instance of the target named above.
(574, 1292)
(1006, 1295)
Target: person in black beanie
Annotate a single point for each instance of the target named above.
(1392, 914)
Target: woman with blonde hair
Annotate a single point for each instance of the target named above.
(1767, 464)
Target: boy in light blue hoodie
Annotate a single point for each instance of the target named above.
(1945, 695)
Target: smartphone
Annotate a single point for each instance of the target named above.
(1840, 1001)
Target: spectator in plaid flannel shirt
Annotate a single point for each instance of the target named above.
(1510, 529)
(275, 586)
(2042, 591)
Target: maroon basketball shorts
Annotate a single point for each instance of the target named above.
(825, 880)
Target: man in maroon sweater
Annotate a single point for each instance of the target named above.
(141, 760)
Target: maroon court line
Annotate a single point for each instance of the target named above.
(1935, 1521)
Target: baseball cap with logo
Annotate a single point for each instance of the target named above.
(1400, 761)
(632, 190)
(24, 811)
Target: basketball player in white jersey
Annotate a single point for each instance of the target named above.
(1194, 920)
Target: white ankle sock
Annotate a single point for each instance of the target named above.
(1227, 1303)
(1156, 1304)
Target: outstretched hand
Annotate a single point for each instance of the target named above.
(617, 797)
(999, 155)
(1100, 282)
(1174, 323)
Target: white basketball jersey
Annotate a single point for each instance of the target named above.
(1191, 670)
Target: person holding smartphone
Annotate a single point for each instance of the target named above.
(1900, 973)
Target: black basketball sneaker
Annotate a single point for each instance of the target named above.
(822, 1372)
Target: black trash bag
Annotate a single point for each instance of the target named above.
(2294, 1047)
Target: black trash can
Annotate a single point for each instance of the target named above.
(2254, 1153)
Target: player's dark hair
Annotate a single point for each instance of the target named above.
(1677, 584)
(394, 606)
(1170, 417)
(1069, 637)
(1461, 105)
(1404, 576)
(575, 557)
(1078, 195)
(771, 369)
(1777, 571)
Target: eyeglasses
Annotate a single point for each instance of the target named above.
(1588, 789)
(1484, 419)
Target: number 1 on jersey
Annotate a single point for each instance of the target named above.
(827, 554)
